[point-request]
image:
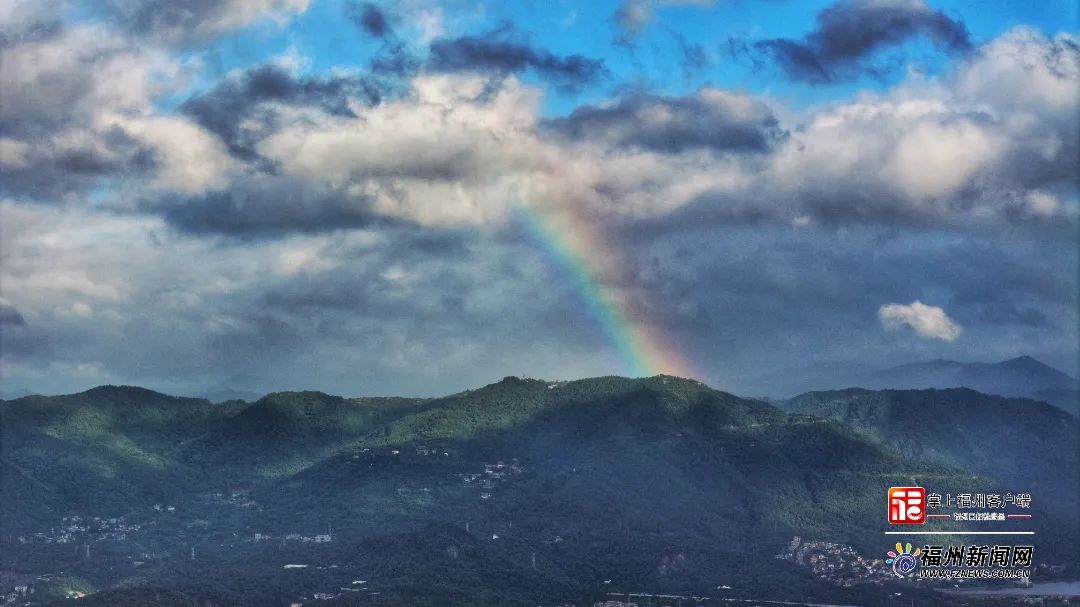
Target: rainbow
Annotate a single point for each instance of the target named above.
(581, 255)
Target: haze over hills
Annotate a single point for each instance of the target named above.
(520, 492)
(1023, 376)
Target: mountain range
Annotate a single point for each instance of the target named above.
(521, 492)
(1022, 376)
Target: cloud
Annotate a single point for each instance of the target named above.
(711, 118)
(68, 94)
(489, 54)
(195, 20)
(243, 108)
(22, 22)
(952, 151)
(9, 315)
(79, 110)
(369, 18)
(267, 146)
(930, 322)
(631, 17)
(850, 31)
(363, 215)
(366, 309)
(187, 159)
(454, 148)
(373, 303)
(267, 206)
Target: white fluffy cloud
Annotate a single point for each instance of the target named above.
(961, 151)
(450, 152)
(953, 151)
(79, 109)
(930, 322)
(187, 159)
(461, 149)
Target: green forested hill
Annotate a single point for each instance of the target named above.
(520, 492)
(285, 432)
(1027, 445)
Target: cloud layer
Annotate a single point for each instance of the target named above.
(350, 225)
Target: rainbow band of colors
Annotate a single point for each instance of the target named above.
(578, 252)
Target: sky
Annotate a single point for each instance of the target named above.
(424, 196)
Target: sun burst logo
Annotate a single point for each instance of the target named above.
(903, 560)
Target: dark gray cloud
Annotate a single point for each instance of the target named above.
(10, 316)
(852, 30)
(369, 18)
(394, 60)
(224, 109)
(191, 21)
(266, 206)
(43, 95)
(709, 119)
(51, 174)
(394, 310)
(403, 309)
(490, 53)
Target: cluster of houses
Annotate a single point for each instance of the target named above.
(357, 586)
(492, 475)
(237, 498)
(321, 538)
(19, 588)
(419, 450)
(74, 529)
(423, 451)
(836, 563)
(17, 592)
(646, 599)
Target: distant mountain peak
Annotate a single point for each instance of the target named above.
(297, 397)
(132, 396)
(1028, 363)
(112, 390)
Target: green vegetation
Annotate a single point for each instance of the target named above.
(1025, 445)
(523, 492)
